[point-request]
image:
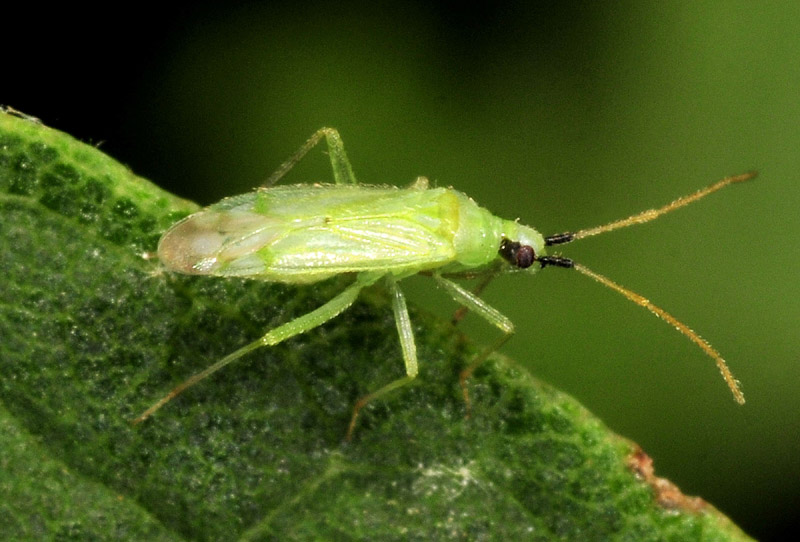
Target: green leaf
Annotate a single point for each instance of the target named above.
(93, 331)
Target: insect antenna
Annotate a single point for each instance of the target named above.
(733, 384)
(641, 218)
(650, 214)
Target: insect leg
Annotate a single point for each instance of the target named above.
(487, 312)
(462, 311)
(342, 171)
(408, 346)
(299, 325)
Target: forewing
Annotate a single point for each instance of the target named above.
(393, 244)
(305, 233)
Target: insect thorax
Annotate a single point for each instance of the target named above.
(480, 235)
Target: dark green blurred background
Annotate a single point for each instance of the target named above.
(565, 116)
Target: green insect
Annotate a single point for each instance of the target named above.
(306, 233)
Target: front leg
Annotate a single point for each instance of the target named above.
(477, 305)
(462, 311)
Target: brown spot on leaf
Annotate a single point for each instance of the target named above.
(667, 494)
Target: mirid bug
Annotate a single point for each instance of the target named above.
(306, 233)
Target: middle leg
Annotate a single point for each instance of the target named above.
(407, 345)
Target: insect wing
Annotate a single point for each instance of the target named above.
(346, 229)
(205, 242)
(306, 233)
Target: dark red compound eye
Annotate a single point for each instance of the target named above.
(521, 256)
(525, 257)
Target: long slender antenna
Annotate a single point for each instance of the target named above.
(650, 214)
(641, 218)
(733, 384)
